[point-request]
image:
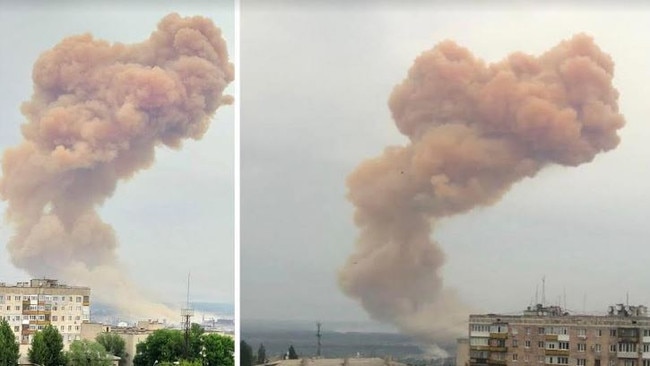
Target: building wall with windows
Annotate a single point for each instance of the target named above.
(29, 306)
(549, 336)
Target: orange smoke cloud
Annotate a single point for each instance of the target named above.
(97, 114)
(475, 129)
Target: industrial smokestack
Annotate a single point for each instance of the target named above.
(475, 129)
(97, 114)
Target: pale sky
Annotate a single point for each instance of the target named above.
(174, 218)
(315, 85)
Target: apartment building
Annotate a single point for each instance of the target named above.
(548, 335)
(29, 306)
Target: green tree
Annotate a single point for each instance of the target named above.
(219, 350)
(47, 348)
(9, 353)
(245, 354)
(88, 353)
(114, 344)
(261, 354)
(163, 345)
(195, 341)
(292, 353)
(181, 363)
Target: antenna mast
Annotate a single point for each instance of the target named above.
(186, 314)
(318, 335)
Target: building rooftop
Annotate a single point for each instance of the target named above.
(40, 283)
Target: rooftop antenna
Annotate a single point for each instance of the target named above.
(186, 314)
(536, 292)
(544, 290)
(318, 335)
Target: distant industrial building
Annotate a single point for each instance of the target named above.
(131, 335)
(30, 306)
(548, 335)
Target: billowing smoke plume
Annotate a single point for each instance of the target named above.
(97, 114)
(475, 130)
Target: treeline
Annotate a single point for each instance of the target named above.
(163, 347)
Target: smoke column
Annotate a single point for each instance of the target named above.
(475, 129)
(97, 114)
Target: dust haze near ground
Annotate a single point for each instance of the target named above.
(97, 114)
(475, 129)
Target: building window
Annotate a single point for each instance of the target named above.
(563, 360)
(612, 332)
(478, 341)
(550, 345)
(612, 348)
(62, 328)
(527, 330)
(515, 343)
(525, 357)
(540, 359)
(78, 299)
(582, 332)
(629, 363)
(646, 362)
(540, 344)
(599, 332)
(527, 344)
(514, 357)
(582, 347)
(540, 330)
(627, 347)
(597, 347)
(581, 362)
(646, 348)
(597, 362)
(563, 345)
(55, 318)
(646, 332)
(17, 329)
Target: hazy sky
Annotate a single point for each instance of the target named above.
(315, 82)
(177, 216)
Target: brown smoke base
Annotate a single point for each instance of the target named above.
(97, 114)
(475, 129)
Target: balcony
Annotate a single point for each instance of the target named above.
(550, 337)
(479, 348)
(496, 362)
(498, 349)
(621, 354)
(499, 335)
(556, 352)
